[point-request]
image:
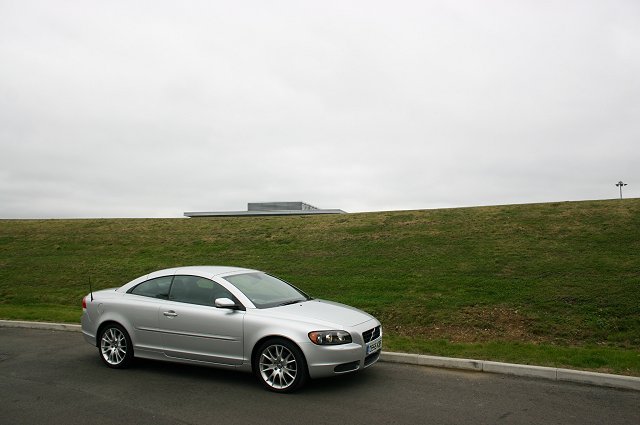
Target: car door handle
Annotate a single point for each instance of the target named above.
(170, 313)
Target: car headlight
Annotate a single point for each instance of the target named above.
(330, 337)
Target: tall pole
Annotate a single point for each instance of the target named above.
(620, 184)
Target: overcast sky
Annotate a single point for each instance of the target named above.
(151, 109)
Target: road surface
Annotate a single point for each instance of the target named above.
(54, 377)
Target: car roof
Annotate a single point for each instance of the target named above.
(205, 270)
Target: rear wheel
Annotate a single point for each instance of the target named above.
(114, 346)
(280, 366)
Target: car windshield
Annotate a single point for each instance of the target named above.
(266, 291)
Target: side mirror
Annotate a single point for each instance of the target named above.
(225, 303)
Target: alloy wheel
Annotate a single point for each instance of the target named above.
(113, 346)
(278, 366)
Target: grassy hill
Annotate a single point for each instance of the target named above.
(549, 284)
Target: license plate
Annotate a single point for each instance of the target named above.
(372, 347)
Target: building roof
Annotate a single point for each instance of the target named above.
(269, 209)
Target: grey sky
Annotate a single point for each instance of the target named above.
(145, 109)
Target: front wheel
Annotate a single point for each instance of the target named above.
(280, 366)
(115, 348)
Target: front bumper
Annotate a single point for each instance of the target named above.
(330, 360)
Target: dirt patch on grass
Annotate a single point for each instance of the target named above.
(479, 324)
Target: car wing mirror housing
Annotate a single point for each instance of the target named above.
(225, 303)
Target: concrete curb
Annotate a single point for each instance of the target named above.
(40, 325)
(551, 373)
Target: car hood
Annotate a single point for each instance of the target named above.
(321, 311)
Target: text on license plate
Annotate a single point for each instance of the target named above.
(374, 346)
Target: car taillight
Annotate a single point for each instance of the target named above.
(84, 303)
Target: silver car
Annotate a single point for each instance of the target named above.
(232, 318)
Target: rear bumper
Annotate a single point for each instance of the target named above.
(87, 329)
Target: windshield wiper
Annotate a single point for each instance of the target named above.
(291, 302)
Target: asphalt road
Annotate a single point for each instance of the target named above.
(54, 377)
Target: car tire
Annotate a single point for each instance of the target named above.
(115, 347)
(280, 366)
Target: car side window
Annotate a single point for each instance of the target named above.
(154, 288)
(197, 290)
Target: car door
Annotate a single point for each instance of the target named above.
(193, 328)
(141, 305)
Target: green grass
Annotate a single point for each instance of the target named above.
(589, 357)
(550, 284)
